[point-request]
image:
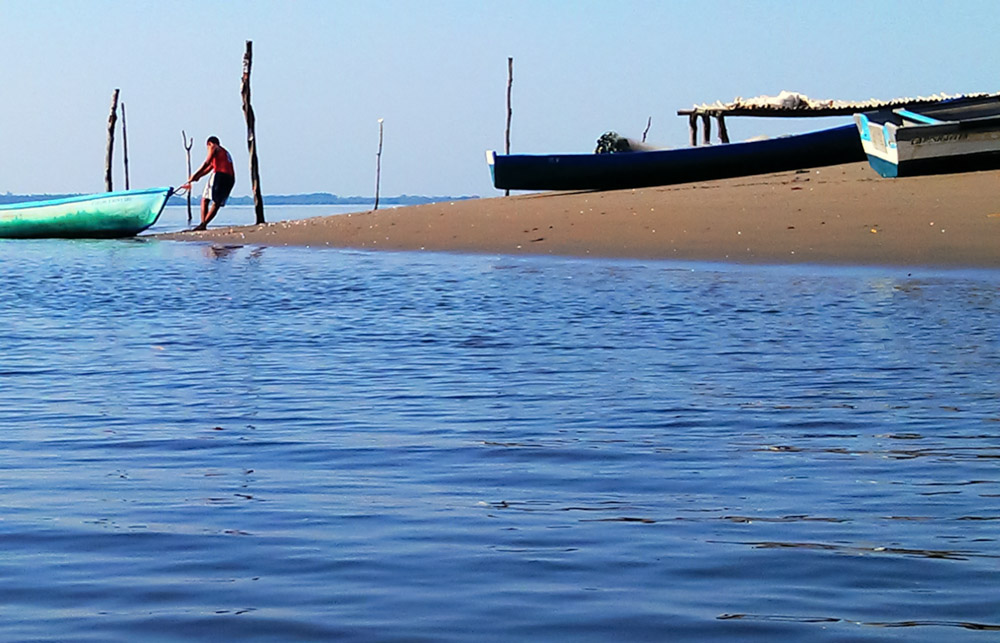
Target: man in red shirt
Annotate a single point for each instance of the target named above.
(220, 164)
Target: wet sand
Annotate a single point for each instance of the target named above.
(837, 215)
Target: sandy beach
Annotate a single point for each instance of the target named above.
(836, 215)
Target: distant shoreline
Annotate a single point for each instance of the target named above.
(313, 198)
(325, 198)
(844, 215)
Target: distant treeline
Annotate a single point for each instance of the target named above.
(325, 198)
(21, 198)
(316, 198)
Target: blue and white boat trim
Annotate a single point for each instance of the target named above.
(959, 135)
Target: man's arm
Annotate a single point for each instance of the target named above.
(200, 172)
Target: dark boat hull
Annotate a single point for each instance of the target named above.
(643, 169)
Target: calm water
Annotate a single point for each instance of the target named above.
(278, 444)
(174, 218)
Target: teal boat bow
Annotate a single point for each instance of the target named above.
(105, 215)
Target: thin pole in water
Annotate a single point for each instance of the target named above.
(125, 145)
(187, 148)
(112, 119)
(378, 164)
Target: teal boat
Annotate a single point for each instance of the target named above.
(106, 215)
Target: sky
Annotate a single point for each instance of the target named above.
(325, 72)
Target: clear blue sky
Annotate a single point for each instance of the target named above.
(326, 71)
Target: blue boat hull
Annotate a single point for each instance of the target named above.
(642, 169)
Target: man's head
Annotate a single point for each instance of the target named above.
(212, 140)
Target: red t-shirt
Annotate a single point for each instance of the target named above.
(222, 162)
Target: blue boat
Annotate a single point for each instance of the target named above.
(103, 215)
(665, 167)
(958, 135)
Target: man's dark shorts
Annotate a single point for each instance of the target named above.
(221, 186)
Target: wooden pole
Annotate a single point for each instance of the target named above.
(510, 82)
(125, 145)
(258, 200)
(649, 121)
(112, 119)
(187, 148)
(378, 164)
(723, 132)
(706, 122)
(693, 124)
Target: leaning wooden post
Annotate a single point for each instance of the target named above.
(649, 121)
(378, 164)
(187, 148)
(723, 132)
(125, 145)
(112, 119)
(510, 82)
(258, 200)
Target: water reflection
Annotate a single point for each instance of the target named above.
(219, 251)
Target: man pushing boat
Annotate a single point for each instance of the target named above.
(217, 190)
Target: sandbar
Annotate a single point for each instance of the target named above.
(843, 214)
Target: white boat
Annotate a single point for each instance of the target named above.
(956, 135)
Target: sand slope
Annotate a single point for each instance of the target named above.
(841, 214)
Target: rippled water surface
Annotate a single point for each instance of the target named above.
(210, 443)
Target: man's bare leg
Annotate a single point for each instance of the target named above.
(208, 213)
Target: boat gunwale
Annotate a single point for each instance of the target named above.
(83, 198)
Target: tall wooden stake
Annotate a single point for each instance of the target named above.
(649, 122)
(258, 200)
(125, 145)
(510, 81)
(723, 132)
(112, 119)
(187, 148)
(378, 164)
